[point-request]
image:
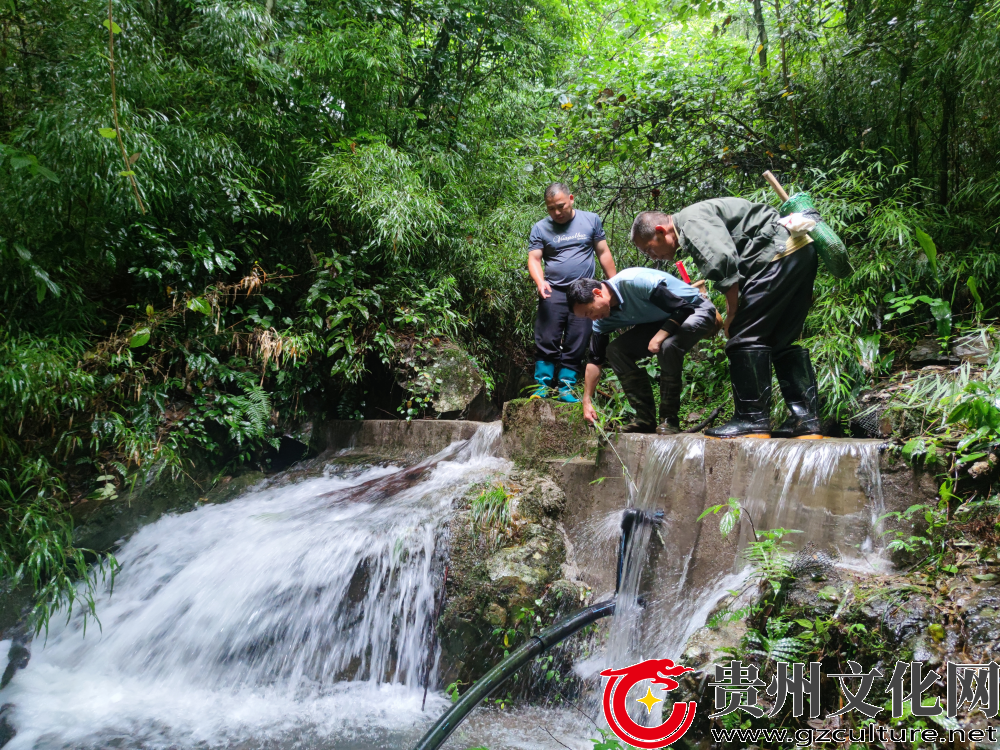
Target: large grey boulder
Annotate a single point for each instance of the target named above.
(448, 375)
(975, 348)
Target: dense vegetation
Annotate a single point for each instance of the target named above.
(219, 215)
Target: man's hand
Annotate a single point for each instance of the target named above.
(590, 377)
(537, 274)
(700, 286)
(657, 341)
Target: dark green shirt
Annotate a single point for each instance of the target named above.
(730, 239)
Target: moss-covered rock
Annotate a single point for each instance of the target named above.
(538, 429)
(498, 576)
(445, 373)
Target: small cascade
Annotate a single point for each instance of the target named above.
(829, 490)
(297, 608)
(672, 478)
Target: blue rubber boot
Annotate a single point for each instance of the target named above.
(544, 372)
(567, 379)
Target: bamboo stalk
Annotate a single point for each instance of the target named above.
(114, 107)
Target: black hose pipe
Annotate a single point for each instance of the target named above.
(493, 679)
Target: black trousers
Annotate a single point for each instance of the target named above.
(560, 337)
(633, 345)
(774, 304)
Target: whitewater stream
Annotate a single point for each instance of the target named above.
(295, 616)
(300, 614)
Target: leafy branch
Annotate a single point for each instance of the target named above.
(113, 29)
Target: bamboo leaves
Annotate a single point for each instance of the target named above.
(928, 246)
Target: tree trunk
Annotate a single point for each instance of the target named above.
(947, 105)
(758, 17)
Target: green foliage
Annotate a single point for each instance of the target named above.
(36, 548)
(769, 556)
(520, 627)
(331, 189)
(492, 514)
(451, 690)
(774, 643)
(730, 516)
(607, 741)
(931, 539)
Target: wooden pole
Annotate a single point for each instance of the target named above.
(773, 181)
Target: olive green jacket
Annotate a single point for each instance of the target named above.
(730, 239)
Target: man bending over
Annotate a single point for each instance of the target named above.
(768, 283)
(667, 318)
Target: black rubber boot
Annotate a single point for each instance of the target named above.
(640, 395)
(797, 381)
(750, 373)
(670, 400)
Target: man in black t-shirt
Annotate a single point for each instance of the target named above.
(567, 242)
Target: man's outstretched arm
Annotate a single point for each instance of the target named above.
(592, 375)
(590, 380)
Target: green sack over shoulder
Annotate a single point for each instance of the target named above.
(829, 246)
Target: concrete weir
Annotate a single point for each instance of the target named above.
(832, 491)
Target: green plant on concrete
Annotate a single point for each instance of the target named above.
(612, 406)
(767, 553)
(769, 556)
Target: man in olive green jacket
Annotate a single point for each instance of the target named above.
(742, 248)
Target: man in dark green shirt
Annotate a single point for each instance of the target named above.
(743, 248)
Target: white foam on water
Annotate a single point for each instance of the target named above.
(293, 612)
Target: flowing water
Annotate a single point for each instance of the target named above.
(300, 615)
(294, 616)
(830, 491)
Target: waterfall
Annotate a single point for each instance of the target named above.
(829, 490)
(672, 479)
(299, 615)
(297, 610)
